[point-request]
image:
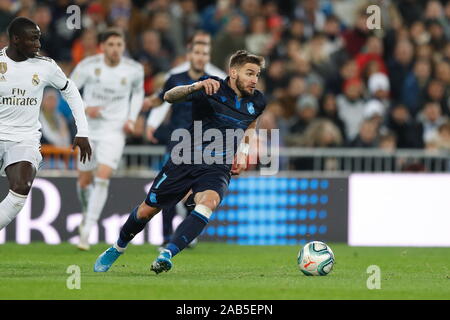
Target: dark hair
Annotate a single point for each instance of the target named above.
(18, 25)
(241, 57)
(192, 45)
(196, 33)
(112, 32)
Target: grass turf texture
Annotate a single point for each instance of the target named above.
(222, 271)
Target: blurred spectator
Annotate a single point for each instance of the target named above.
(87, 45)
(387, 142)
(6, 14)
(24, 8)
(419, 34)
(309, 12)
(3, 39)
(372, 54)
(414, 87)
(431, 118)
(153, 53)
(54, 127)
(379, 87)
(289, 100)
(318, 52)
(65, 36)
(322, 133)
(249, 9)
(296, 30)
(275, 76)
(315, 85)
(329, 111)
(186, 21)
(399, 66)
(49, 40)
(355, 38)
(349, 70)
(374, 110)
(409, 133)
(367, 136)
(332, 31)
(436, 93)
(307, 109)
(231, 39)
(437, 35)
(95, 17)
(443, 139)
(161, 23)
(351, 107)
(257, 42)
(215, 16)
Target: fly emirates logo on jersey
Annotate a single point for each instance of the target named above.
(18, 98)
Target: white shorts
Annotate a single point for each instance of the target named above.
(107, 150)
(12, 152)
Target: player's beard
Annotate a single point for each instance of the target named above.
(241, 87)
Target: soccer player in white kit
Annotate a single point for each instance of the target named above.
(23, 76)
(113, 92)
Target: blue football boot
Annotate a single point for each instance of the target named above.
(163, 262)
(106, 259)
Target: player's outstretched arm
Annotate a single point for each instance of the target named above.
(180, 93)
(150, 102)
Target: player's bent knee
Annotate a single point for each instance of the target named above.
(147, 212)
(209, 198)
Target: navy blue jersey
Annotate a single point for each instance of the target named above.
(221, 111)
(181, 116)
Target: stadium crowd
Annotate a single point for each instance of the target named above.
(330, 81)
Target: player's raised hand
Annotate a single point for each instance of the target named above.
(150, 102)
(211, 86)
(85, 148)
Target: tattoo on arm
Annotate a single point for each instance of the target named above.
(179, 93)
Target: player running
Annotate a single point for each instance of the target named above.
(113, 92)
(181, 116)
(222, 107)
(23, 76)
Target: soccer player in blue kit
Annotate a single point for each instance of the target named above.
(218, 105)
(181, 115)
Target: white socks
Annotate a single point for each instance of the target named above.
(97, 200)
(10, 207)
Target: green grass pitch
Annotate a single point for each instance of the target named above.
(222, 271)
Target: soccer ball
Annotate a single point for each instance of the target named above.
(315, 259)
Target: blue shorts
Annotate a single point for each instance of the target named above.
(174, 182)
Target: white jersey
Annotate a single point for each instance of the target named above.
(119, 90)
(21, 88)
(209, 69)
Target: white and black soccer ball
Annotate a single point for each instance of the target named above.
(315, 259)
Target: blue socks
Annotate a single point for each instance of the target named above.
(131, 228)
(168, 215)
(187, 231)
